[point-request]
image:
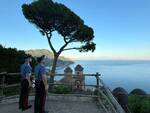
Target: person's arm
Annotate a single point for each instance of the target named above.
(44, 78)
(28, 75)
(29, 80)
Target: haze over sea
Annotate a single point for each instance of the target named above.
(129, 74)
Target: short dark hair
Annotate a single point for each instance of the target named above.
(27, 56)
(39, 59)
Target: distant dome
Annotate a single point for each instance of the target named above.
(138, 92)
(78, 68)
(120, 90)
(68, 70)
(121, 96)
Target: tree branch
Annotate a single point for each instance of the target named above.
(76, 48)
(62, 48)
(49, 35)
(65, 39)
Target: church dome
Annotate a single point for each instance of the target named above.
(78, 68)
(68, 70)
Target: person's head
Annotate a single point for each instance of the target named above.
(28, 59)
(41, 59)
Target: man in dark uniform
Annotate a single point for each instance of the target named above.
(26, 71)
(41, 86)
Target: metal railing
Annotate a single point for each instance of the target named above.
(6, 87)
(105, 96)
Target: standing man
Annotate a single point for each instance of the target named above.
(26, 71)
(41, 86)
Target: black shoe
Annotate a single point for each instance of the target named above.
(23, 109)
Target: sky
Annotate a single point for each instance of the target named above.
(121, 28)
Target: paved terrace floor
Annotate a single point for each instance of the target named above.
(57, 104)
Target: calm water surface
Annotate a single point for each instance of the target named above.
(115, 73)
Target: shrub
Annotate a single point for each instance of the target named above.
(11, 59)
(145, 108)
(139, 104)
(62, 89)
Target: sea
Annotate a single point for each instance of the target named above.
(128, 74)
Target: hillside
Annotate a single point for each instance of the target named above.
(62, 61)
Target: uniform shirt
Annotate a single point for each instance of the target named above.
(26, 70)
(39, 71)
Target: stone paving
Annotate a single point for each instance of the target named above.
(58, 104)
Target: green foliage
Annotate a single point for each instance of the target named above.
(139, 104)
(49, 16)
(61, 89)
(11, 59)
(87, 47)
(145, 108)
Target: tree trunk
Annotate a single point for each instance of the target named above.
(53, 68)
